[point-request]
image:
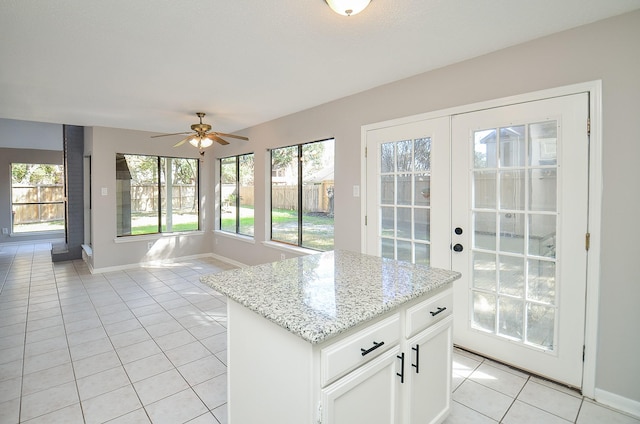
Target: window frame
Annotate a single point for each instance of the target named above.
(237, 199)
(300, 185)
(161, 211)
(39, 204)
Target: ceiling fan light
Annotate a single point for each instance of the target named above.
(194, 141)
(205, 142)
(348, 7)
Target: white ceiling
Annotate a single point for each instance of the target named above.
(151, 64)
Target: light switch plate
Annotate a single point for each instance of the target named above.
(356, 191)
(104, 191)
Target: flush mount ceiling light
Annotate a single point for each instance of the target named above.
(348, 7)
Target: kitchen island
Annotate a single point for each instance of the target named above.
(338, 337)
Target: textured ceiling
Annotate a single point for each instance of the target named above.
(151, 64)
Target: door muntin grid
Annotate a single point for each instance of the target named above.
(405, 200)
(514, 182)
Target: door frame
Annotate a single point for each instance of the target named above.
(594, 89)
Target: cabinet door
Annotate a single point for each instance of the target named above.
(428, 390)
(367, 395)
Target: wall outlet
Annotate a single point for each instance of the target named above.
(149, 245)
(282, 257)
(5, 231)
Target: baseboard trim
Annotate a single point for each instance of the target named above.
(227, 260)
(621, 403)
(152, 263)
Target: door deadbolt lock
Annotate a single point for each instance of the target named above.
(458, 247)
(458, 230)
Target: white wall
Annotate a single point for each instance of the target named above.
(25, 142)
(30, 135)
(110, 252)
(606, 50)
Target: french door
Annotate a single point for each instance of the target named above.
(408, 192)
(507, 207)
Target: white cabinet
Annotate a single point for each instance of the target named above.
(367, 395)
(428, 375)
(277, 377)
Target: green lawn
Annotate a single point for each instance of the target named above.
(317, 231)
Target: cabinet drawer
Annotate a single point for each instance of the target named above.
(353, 351)
(428, 312)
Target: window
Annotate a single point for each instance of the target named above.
(302, 195)
(156, 194)
(37, 197)
(236, 194)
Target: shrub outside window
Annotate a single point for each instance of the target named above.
(302, 195)
(236, 194)
(156, 194)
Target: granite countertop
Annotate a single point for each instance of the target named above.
(322, 295)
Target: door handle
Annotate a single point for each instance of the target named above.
(458, 247)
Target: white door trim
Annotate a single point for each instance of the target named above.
(594, 88)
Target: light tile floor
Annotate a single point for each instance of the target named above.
(486, 392)
(149, 345)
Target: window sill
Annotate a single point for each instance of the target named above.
(150, 237)
(289, 248)
(233, 236)
(38, 233)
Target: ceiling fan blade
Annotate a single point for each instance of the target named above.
(213, 136)
(167, 135)
(181, 142)
(232, 136)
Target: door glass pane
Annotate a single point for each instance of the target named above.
(541, 281)
(422, 183)
(484, 189)
(387, 189)
(542, 189)
(543, 139)
(387, 248)
(511, 276)
(484, 271)
(403, 223)
(422, 253)
(387, 158)
(485, 152)
(512, 232)
(387, 222)
(512, 146)
(404, 250)
(542, 235)
(484, 226)
(405, 214)
(484, 311)
(510, 317)
(404, 157)
(422, 154)
(404, 189)
(512, 189)
(540, 325)
(421, 224)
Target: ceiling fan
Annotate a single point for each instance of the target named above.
(201, 135)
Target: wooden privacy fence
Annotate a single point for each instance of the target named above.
(315, 197)
(37, 203)
(144, 198)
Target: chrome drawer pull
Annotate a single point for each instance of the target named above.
(440, 309)
(371, 349)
